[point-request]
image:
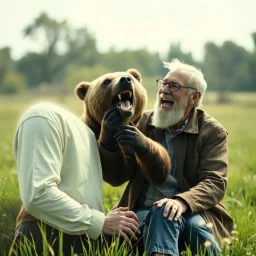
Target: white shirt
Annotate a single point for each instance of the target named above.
(59, 170)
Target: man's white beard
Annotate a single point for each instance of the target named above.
(163, 119)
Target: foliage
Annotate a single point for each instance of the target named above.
(31, 65)
(147, 63)
(13, 83)
(226, 67)
(5, 62)
(83, 73)
(175, 51)
(81, 47)
(63, 46)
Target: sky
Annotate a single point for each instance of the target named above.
(135, 24)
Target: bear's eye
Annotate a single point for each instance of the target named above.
(107, 82)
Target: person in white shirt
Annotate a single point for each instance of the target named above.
(60, 181)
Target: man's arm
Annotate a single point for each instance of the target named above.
(212, 174)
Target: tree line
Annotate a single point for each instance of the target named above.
(70, 55)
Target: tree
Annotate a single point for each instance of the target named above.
(83, 73)
(147, 63)
(252, 66)
(62, 46)
(226, 68)
(10, 81)
(81, 47)
(254, 40)
(32, 66)
(13, 83)
(211, 62)
(5, 62)
(175, 51)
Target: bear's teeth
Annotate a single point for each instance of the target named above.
(119, 96)
(130, 94)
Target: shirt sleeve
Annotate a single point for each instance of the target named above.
(38, 148)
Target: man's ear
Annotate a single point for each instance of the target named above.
(81, 89)
(135, 73)
(194, 97)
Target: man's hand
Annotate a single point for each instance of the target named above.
(176, 205)
(131, 136)
(109, 125)
(123, 222)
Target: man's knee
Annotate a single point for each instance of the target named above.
(196, 234)
(193, 220)
(194, 223)
(155, 213)
(155, 218)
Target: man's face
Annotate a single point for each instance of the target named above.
(170, 107)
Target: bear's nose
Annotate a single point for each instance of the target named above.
(125, 80)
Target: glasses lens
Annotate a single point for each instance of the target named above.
(173, 87)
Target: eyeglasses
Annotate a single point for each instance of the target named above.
(173, 87)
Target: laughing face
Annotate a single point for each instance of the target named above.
(171, 107)
(121, 90)
(123, 98)
(168, 111)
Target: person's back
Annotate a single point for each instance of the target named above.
(59, 171)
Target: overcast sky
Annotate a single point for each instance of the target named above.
(136, 23)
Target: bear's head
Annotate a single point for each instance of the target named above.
(122, 90)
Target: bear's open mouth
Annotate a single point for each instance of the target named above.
(124, 100)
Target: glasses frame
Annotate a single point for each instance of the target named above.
(177, 88)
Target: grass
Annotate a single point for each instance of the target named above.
(238, 117)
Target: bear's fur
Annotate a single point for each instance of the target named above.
(123, 89)
(126, 92)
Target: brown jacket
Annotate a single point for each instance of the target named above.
(201, 162)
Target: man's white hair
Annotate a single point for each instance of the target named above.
(195, 76)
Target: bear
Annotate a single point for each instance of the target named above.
(124, 92)
(122, 89)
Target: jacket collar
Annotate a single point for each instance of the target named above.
(192, 125)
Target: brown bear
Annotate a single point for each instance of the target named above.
(121, 96)
(122, 89)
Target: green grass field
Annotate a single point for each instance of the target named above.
(237, 117)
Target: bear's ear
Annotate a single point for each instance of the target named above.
(81, 89)
(135, 73)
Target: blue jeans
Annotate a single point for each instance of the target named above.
(171, 237)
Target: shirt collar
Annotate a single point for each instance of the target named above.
(181, 129)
